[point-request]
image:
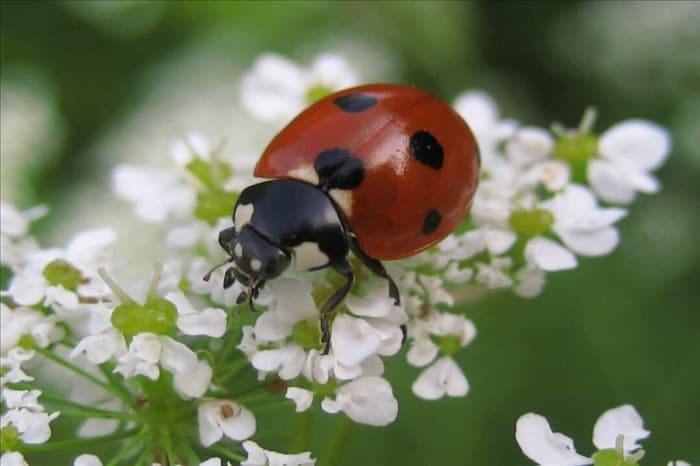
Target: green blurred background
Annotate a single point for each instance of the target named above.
(81, 78)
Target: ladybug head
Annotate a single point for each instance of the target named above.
(255, 259)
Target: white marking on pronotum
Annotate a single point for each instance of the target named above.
(238, 250)
(306, 173)
(255, 265)
(342, 197)
(309, 256)
(242, 216)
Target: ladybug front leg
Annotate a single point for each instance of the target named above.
(345, 269)
(377, 267)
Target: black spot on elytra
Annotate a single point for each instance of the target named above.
(431, 222)
(426, 149)
(353, 103)
(338, 169)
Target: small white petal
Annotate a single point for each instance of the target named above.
(301, 397)
(553, 174)
(15, 399)
(444, 377)
(529, 145)
(638, 143)
(210, 322)
(258, 456)
(422, 352)
(87, 460)
(86, 249)
(623, 420)
(13, 458)
(678, 463)
(531, 281)
(549, 255)
(541, 445)
(177, 357)
(212, 462)
(27, 289)
(370, 306)
(353, 340)
(288, 360)
(366, 400)
(609, 182)
(195, 382)
(591, 243)
(498, 241)
(101, 347)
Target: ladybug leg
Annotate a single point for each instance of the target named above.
(345, 269)
(377, 267)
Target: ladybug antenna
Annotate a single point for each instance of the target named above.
(207, 276)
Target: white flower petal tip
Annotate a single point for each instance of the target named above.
(302, 398)
(629, 151)
(623, 420)
(366, 400)
(258, 456)
(444, 377)
(544, 447)
(639, 143)
(549, 255)
(13, 458)
(678, 463)
(87, 460)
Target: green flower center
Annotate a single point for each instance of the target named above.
(449, 344)
(611, 457)
(531, 222)
(576, 149)
(157, 316)
(306, 334)
(9, 438)
(60, 272)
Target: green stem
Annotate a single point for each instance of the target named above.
(228, 454)
(96, 415)
(303, 423)
(144, 457)
(168, 445)
(255, 396)
(271, 406)
(114, 380)
(125, 450)
(68, 444)
(233, 369)
(188, 451)
(62, 362)
(339, 442)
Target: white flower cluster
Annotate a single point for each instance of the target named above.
(615, 435)
(177, 358)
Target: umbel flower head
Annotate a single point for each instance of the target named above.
(174, 371)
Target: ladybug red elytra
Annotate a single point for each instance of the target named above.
(384, 170)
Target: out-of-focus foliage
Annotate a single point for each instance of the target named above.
(88, 84)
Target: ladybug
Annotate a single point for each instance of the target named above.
(382, 170)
